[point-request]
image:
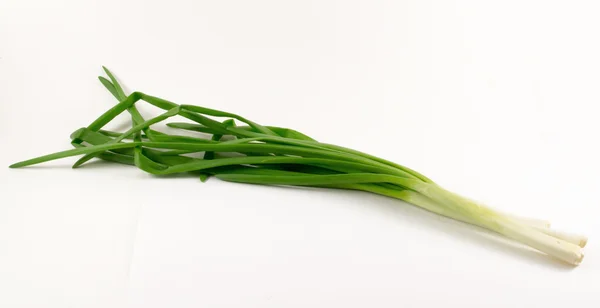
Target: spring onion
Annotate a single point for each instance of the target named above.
(269, 155)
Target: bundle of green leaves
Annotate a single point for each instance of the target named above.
(257, 154)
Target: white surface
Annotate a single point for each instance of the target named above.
(495, 100)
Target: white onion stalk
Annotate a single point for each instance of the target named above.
(563, 246)
(531, 232)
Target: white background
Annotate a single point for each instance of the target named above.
(497, 100)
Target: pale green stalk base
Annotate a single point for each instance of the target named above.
(563, 246)
(577, 239)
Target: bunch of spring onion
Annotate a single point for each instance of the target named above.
(257, 154)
